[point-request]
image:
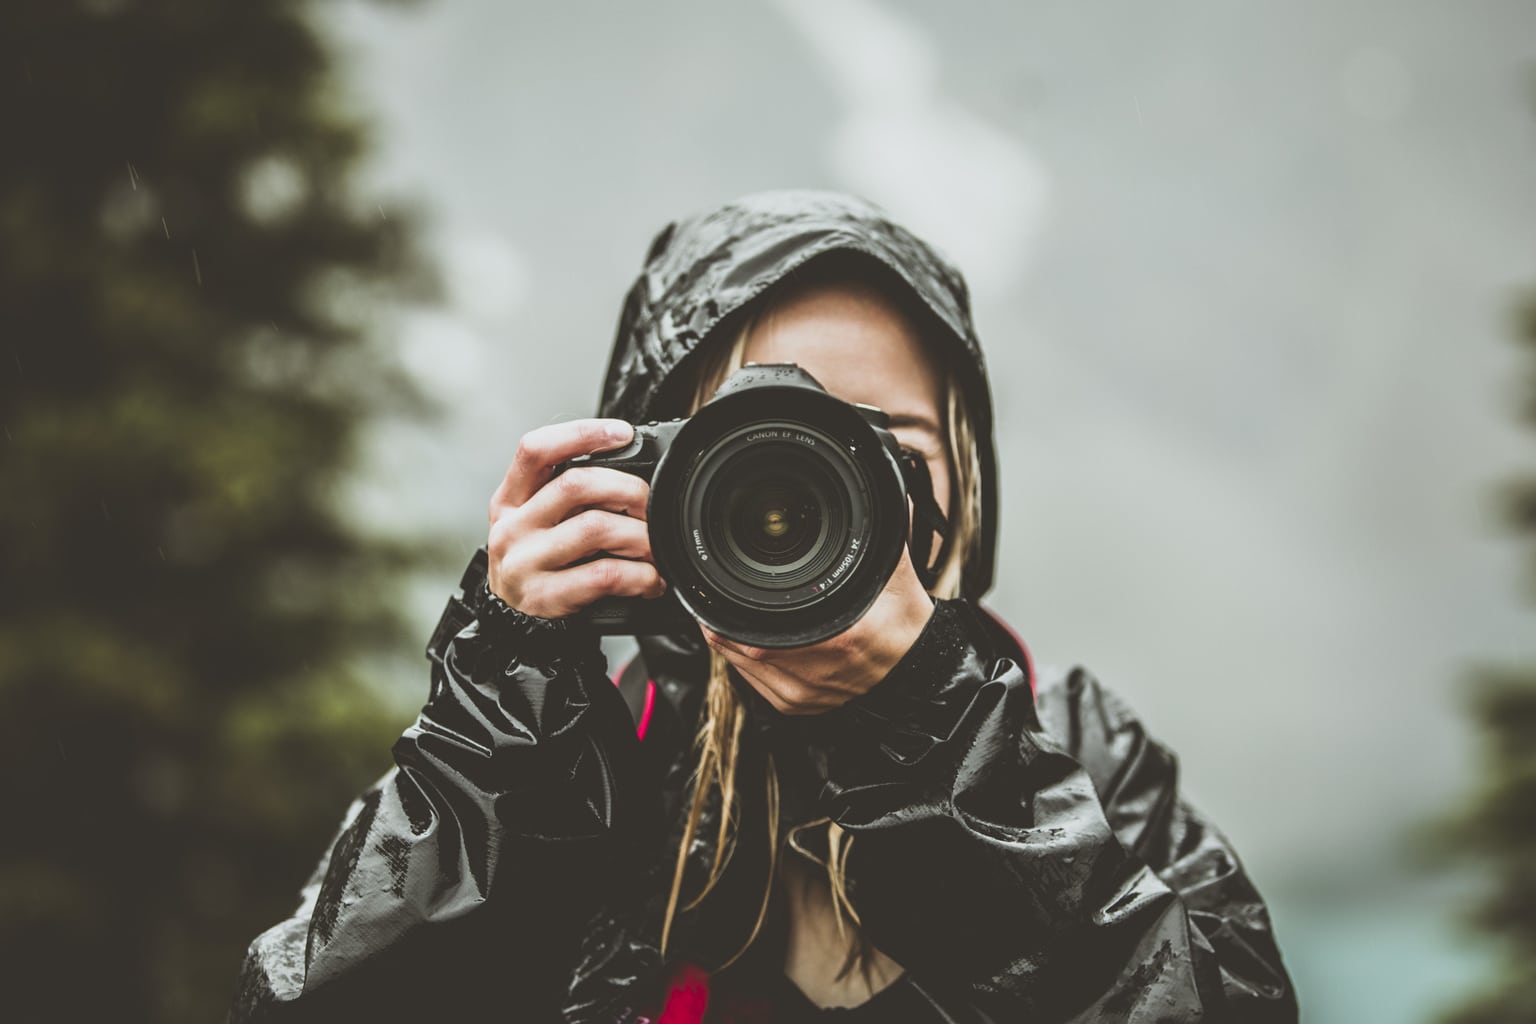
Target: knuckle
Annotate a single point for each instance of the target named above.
(528, 451)
(840, 643)
(638, 531)
(591, 527)
(506, 584)
(505, 532)
(781, 703)
(529, 599)
(507, 573)
(608, 574)
(570, 485)
(639, 490)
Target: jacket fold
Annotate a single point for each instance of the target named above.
(519, 804)
(1022, 856)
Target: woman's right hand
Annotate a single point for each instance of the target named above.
(541, 523)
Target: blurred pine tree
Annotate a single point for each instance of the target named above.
(186, 276)
(1498, 830)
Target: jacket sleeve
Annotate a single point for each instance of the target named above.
(460, 882)
(1038, 856)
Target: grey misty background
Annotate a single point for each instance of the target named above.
(1244, 275)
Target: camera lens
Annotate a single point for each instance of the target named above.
(781, 514)
(777, 512)
(772, 524)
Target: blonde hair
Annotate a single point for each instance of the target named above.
(719, 734)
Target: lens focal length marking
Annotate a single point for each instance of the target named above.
(842, 567)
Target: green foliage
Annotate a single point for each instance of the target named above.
(1498, 829)
(186, 284)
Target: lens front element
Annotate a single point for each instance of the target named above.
(772, 522)
(772, 514)
(782, 513)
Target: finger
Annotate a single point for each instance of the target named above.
(540, 451)
(782, 693)
(591, 532)
(784, 657)
(751, 672)
(574, 588)
(725, 645)
(586, 487)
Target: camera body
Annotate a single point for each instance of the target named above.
(777, 512)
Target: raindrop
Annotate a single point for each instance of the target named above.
(272, 188)
(127, 212)
(197, 271)
(167, 228)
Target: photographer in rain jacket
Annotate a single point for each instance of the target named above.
(907, 821)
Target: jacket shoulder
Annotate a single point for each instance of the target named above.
(1069, 700)
(1136, 776)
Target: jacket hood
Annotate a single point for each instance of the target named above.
(701, 271)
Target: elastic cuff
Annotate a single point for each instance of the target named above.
(541, 641)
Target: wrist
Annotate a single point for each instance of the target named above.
(914, 707)
(898, 636)
(540, 641)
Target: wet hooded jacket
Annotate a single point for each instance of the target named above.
(1022, 849)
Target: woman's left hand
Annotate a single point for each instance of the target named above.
(811, 680)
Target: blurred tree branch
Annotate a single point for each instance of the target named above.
(190, 291)
(1497, 829)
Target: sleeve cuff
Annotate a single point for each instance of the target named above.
(537, 641)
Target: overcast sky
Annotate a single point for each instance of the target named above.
(1243, 273)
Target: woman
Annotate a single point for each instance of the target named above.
(904, 822)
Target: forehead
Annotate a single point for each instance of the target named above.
(857, 343)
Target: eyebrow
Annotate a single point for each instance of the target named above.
(907, 419)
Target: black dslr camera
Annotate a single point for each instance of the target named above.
(777, 512)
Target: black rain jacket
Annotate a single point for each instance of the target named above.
(1021, 845)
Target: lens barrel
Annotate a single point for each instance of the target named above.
(778, 512)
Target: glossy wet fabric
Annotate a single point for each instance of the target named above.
(1021, 847)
